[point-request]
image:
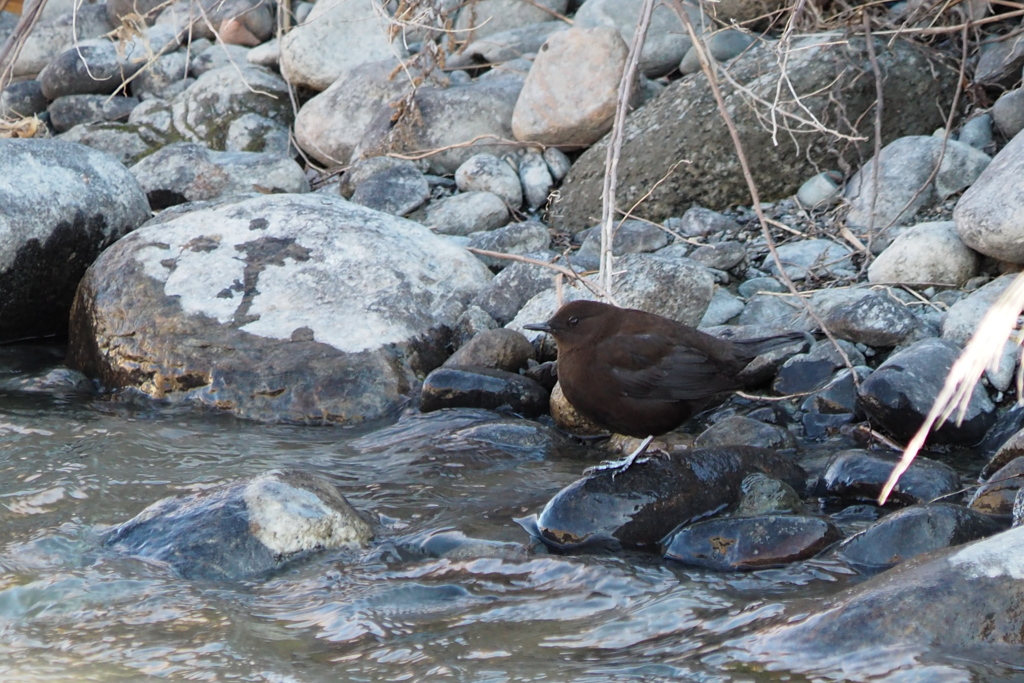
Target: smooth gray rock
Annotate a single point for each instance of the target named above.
(187, 172)
(496, 348)
(875, 320)
(721, 255)
(927, 253)
(963, 317)
(204, 112)
(988, 214)
(810, 258)
(331, 124)
(723, 308)
(904, 167)
(1008, 112)
(446, 118)
(723, 45)
(63, 205)
(336, 38)
(699, 222)
(241, 22)
(284, 308)
(216, 57)
(977, 132)
(488, 173)
(58, 29)
(244, 529)
(743, 431)
(505, 46)
(819, 190)
(466, 213)
(165, 77)
(479, 19)
(254, 133)
(536, 179)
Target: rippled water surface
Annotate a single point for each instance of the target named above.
(452, 589)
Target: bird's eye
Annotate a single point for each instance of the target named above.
(573, 321)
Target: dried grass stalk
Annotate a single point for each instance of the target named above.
(983, 351)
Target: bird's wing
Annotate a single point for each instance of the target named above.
(656, 367)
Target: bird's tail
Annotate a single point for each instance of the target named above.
(753, 348)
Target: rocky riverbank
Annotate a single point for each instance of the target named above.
(332, 224)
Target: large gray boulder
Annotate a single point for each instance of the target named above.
(966, 597)
(296, 308)
(988, 215)
(62, 204)
(834, 81)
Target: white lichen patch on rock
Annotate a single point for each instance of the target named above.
(357, 278)
(999, 555)
(290, 513)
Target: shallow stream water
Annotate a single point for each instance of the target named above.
(453, 589)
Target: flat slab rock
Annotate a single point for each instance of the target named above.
(295, 308)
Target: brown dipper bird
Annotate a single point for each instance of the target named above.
(641, 374)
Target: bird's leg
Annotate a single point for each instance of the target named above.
(622, 464)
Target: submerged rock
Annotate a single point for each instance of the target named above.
(637, 507)
(746, 543)
(970, 596)
(243, 529)
(915, 530)
(860, 475)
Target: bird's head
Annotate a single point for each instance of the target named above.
(577, 320)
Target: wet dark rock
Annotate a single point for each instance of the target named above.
(1010, 444)
(742, 431)
(763, 495)
(859, 475)
(637, 507)
(243, 529)
(499, 348)
(914, 530)
(812, 370)
(820, 426)
(996, 496)
(69, 204)
(839, 395)
(747, 543)
(967, 597)
(479, 387)
(284, 307)
(664, 130)
(901, 391)
(544, 374)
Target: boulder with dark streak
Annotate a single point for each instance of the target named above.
(639, 506)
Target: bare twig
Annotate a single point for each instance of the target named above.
(16, 41)
(611, 166)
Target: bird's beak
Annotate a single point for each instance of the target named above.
(540, 327)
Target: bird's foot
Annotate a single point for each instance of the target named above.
(622, 464)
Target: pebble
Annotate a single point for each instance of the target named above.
(1008, 112)
(812, 258)
(498, 348)
(480, 387)
(398, 190)
(630, 237)
(515, 238)
(535, 178)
